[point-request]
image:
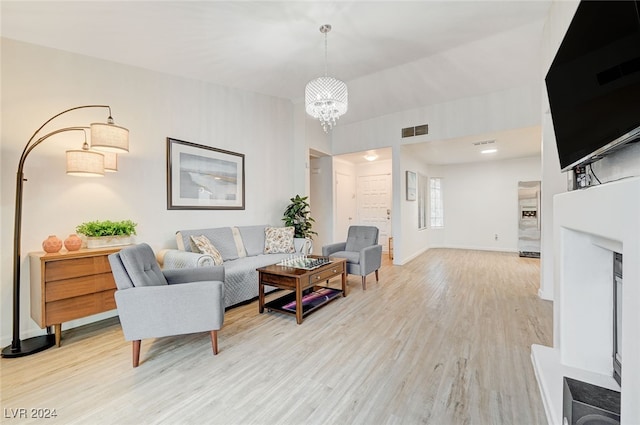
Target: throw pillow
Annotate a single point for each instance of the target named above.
(279, 240)
(203, 245)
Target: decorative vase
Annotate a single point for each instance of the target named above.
(107, 241)
(73, 242)
(52, 244)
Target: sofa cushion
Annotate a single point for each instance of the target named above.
(360, 237)
(351, 256)
(253, 239)
(279, 240)
(203, 245)
(141, 266)
(220, 237)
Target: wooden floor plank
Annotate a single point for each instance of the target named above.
(444, 339)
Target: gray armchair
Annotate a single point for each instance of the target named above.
(361, 250)
(154, 303)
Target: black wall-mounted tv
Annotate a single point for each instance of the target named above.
(594, 82)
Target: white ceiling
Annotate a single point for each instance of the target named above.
(515, 143)
(393, 55)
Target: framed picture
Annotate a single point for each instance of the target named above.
(411, 186)
(203, 178)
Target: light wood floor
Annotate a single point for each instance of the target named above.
(444, 339)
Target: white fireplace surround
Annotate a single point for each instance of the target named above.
(589, 225)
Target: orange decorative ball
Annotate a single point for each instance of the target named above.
(73, 242)
(52, 244)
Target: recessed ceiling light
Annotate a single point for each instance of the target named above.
(489, 151)
(371, 157)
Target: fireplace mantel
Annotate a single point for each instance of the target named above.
(589, 225)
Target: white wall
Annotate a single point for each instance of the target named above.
(414, 241)
(481, 200)
(347, 168)
(514, 108)
(508, 109)
(553, 181)
(321, 201)
(38, 82)
(374, 168)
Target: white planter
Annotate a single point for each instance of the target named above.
(107, 241)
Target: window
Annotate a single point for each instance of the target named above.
(423, 196)
(436, 205)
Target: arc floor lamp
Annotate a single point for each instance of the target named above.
(86, 162)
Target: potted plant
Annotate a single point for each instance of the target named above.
(107, 233)
(297, 215)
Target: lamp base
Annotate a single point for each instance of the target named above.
(30, 346)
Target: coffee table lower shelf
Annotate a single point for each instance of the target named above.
(311, 301)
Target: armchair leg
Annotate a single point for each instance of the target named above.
(214, 341)
(377, 275)
(136, 352)
(364, 282)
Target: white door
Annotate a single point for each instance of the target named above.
(345, 205)
(374, 205)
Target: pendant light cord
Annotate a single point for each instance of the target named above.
(325, 55)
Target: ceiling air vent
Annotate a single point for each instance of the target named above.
(418, 130)
(408, 132)
(484, 142)
(422, 129)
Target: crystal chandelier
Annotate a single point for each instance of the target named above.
(326, 98)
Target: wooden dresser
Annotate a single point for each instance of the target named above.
(69, 285)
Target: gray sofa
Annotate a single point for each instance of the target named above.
(242, 251)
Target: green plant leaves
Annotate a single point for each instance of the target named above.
(297, 215)
(107, 228)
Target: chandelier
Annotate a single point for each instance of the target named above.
(326, 98)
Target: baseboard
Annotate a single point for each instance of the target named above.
(480, 248)
(545, 295)
(411, 257)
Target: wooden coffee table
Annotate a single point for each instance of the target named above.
(305, 284)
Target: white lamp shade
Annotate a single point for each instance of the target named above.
(85, 163)
(109, 138)
(327, 99)
(110, 162)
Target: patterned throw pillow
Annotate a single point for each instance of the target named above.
(203, 245)
(279, 240)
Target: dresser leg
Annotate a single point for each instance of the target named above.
(57, 329)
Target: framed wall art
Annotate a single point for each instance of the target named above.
(202, 177)
(411, 186)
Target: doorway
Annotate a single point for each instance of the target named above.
(346, 206)
(374, 204)
(363, 193)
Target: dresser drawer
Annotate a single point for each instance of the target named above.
(70, 285)
(75, 267)
(335, 270)
(69, 288)
(74, 308)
